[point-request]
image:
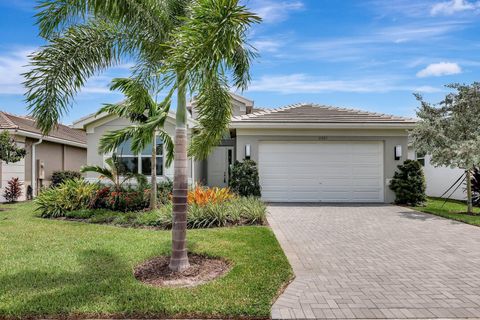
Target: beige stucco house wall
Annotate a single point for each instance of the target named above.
(251, 127)
(62, 149)
(390, 139)
(96, 127)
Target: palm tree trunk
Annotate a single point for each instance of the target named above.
(469, 192)
(179, 258)
(153, 189)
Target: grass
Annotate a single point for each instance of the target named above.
(452, 209)
(54, 268)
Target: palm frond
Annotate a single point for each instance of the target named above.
(169, 146)
(144, 16)
(103, 172)
(214, 114)
(210, 48)
(61, 68)
(138, 98)
(111, 140)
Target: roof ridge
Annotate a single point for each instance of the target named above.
(265, 111)
(391, 116)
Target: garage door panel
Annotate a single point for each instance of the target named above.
(322, 172)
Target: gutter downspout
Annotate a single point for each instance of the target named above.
(34, 167)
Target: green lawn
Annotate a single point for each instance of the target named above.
(452, 210)
(63, 268)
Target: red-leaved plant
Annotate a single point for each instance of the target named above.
(13, 190)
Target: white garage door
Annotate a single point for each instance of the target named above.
(321, 171)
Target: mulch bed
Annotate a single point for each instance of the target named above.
(155, 272)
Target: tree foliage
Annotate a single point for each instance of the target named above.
(450, 130)
(9, 151)
(408, 183)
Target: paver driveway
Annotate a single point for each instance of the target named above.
(367, 261)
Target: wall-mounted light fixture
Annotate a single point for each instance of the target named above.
(247, 152)
(398, 152)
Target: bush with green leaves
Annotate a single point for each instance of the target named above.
(70, 195)
(238, 211)
(244, 179)
(408, 183)
(58, 177)
(13, 190)
(164, 191)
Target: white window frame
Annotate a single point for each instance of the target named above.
(420, 158)
(140, 156)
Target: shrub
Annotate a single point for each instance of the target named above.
(408, 183)
(127, 199)
(68, 196)
(58, 177)
(13, 190)
(203, 195)
(238, 211)
(244, 179)
(164, 191)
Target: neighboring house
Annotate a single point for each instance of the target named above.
(439, 179)
(305, 152)
(63, 149)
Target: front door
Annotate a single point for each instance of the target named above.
(219, 164)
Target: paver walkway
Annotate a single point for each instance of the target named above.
(376, 262)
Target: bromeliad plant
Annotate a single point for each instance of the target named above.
(202, 196)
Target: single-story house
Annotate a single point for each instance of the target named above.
(64, 148)
(305, 152)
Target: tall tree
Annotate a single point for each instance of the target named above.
(204, 53)
(147, 117)
(186, 44)
(450, 131)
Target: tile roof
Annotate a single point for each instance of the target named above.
(25, 123)
(315, 113)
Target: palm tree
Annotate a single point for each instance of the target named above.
(179, 44)
(148, 118)
(114, 173)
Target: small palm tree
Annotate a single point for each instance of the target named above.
(115, 173)
(148, 118)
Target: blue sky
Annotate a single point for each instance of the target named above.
(368, 54)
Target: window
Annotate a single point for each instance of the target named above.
(140, 163)
(420, 157)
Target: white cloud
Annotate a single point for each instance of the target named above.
(453, 6)
(12, 65)
(439, 69)
(276, 11)
(267, 45)
(302, 83)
